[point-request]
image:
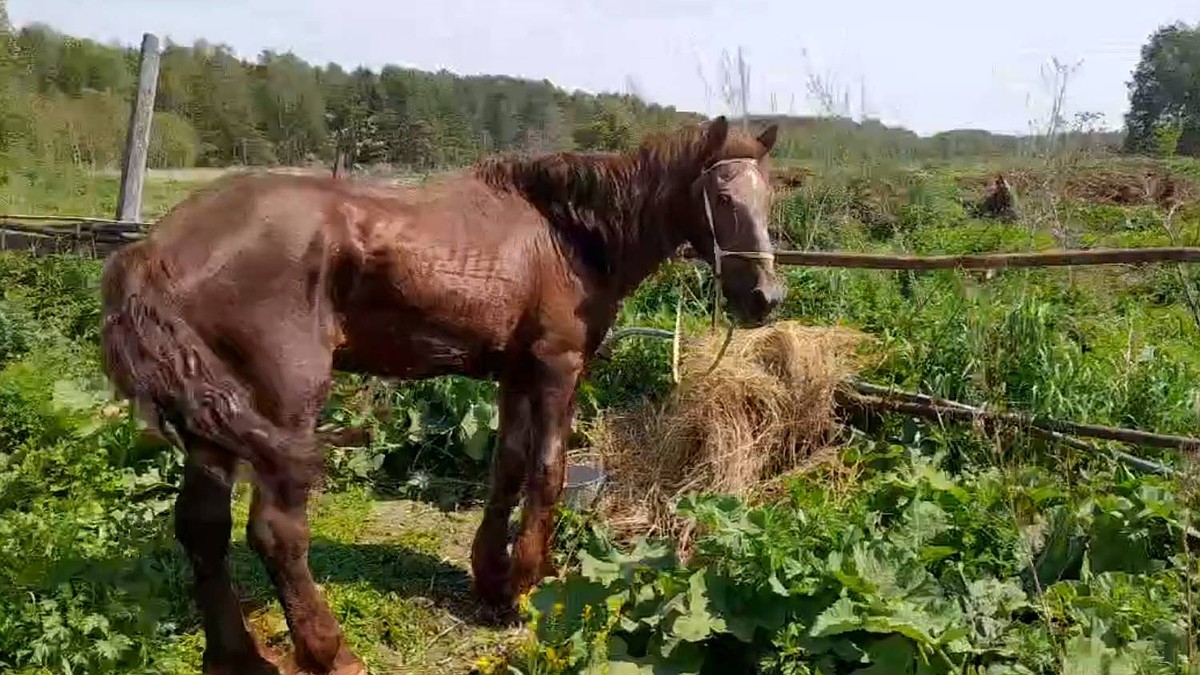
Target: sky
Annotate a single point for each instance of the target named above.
(928, 65)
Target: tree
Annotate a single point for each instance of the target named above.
(225, 114)
(611, 128)
(544, 127)
(291, 108)
(500, 120)
(1164, 94)
(7, 53)
(5, 34)
(38, 50)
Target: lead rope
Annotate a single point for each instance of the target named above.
(717, 293)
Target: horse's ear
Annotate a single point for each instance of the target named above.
(714, 137)
(768, 138)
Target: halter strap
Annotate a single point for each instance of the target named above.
(767, 257)
(718, 253)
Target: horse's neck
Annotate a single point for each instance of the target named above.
(651, 236)
(622, 220)
(641, 262)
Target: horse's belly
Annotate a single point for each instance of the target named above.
(395, 346)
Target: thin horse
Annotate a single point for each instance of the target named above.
(224, 324)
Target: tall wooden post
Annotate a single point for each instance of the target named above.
(137, 139)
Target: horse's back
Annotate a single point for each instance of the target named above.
(441, 278)
(426, 279)
(263, 214)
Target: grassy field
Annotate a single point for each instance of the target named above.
(82, 192)
(922, 549)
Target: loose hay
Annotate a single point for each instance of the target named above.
(766, 409)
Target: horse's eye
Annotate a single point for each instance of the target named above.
(724, 199)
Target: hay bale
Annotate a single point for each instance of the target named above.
(765, 410)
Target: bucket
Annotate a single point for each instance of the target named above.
(583, 486)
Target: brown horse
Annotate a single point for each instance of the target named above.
(224, 324)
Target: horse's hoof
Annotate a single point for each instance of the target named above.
(494, 592)
(499, 616)
(262, 663)
(346, 663)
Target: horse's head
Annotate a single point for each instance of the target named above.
(733, 199)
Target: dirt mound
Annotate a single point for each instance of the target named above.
(790, 178)
(1143, 185)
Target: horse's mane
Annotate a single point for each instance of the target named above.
(603, 201)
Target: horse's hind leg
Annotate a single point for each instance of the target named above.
(278, 529)
(202, 526)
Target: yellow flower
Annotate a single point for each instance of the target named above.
(587, 612)
(558, 608)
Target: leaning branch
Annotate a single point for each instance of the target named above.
(878, 398)
(980, 413)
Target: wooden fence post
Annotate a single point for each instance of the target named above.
(137, 139)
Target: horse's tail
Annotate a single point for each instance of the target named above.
(156, 359)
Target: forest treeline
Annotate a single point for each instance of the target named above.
(65, 100)
(70, 96)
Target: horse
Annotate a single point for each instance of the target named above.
(223, 325)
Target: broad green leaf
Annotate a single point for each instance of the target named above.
(1090, 656)
(684, 661)
(595, 569)
(469, 424)
(744, 613)
(841, 617)
(476, 427)
(776, 587)
(1114, 546)
(892, 655)
(696, 622)
(932, 554)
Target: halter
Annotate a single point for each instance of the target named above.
(767, 257)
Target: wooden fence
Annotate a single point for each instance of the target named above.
(101, 236)
(41, 235)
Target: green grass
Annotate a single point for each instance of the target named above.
(395, 575)
(79, 192)
(926, 543)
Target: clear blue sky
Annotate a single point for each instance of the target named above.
(929, 65)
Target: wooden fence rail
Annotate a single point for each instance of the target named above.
(111, 233)
(1116, 256)
(91, 236)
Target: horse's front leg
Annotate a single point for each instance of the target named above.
(552, 395)
(489, 552)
